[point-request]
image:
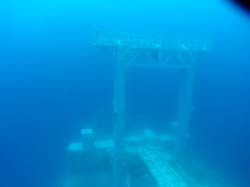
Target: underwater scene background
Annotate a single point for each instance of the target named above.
(54, 81)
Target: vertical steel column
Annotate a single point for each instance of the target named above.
(119, 106)
(185, 106)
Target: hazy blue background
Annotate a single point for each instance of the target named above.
(53, 80)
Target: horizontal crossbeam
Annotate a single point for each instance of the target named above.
(135, 44)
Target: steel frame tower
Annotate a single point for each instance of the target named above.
(178, 55)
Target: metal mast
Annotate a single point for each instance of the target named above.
(180, 55)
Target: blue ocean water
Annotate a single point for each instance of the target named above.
(53, 81)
